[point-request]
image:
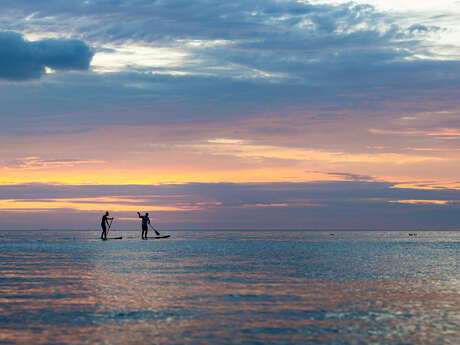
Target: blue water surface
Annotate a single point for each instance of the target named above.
(230, 287)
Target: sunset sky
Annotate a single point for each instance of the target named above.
(230, 114)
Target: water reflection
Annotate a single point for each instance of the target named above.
(231, 288)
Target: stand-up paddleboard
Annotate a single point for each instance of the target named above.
(158, 237)
(114, 238)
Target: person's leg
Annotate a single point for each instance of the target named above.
(104, 233)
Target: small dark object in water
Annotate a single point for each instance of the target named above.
(331, 234)
(411, 234)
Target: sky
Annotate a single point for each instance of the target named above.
(288, 114)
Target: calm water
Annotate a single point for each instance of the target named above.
(259, 287)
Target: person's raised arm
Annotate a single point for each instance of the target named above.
(138, 213)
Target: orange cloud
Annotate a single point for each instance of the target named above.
(88, 204)
(439, 132)
(165, 157)
(424, 202)
(239, 148)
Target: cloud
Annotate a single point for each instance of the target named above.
(341, 205)
(352, 177)
(38, 163)
(24, 60)
(208, 59)
(310, 77)
(422, 28)
(274, 35)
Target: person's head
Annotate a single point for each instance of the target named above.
(107, 213)
(146, 213)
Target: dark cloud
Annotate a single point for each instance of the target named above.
(352, 177)
(23, 60)
(90, 100)
(345, 205)
(278, 54)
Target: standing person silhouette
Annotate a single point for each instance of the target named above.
(104, 223)
(145, 223)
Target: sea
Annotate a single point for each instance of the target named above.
(230, 287)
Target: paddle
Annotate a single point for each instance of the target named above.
(156, 232)
(109, 227)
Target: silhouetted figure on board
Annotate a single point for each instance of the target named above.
(104, 223)
(145, 223)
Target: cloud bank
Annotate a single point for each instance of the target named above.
(320, 205)
(204, 58)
